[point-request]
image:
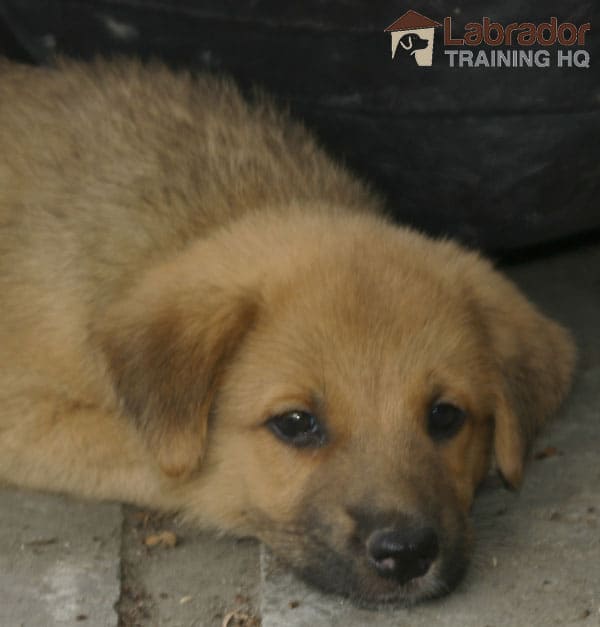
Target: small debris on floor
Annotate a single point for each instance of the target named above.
(141, 518)
(135, 607)
(549, 451)
(236, 618)
(41, 542)
(555, 516)
(163, 538)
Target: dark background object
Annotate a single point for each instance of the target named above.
(500, 158)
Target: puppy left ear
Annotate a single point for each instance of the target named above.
(166, 345)
(536, 376)
(534, 358)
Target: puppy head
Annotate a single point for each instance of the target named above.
(360, 377)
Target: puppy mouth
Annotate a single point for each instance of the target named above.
(369, 590)
(356, 566)
(353, 576)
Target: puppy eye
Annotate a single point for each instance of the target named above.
(298, 428)
(444, 421)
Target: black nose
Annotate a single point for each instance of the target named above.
(402, 554)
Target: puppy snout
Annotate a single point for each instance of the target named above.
(402, 554)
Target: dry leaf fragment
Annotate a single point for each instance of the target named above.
(549, 451)
(162, 538)
(235, 618)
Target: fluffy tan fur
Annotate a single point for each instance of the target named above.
(178, 265)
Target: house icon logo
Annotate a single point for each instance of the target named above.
(412, 36)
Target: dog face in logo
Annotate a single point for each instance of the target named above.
(411, 42)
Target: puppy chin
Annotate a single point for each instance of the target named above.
(358, 582)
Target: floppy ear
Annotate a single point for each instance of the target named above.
(534, 358)
(166, 346)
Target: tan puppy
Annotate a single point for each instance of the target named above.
(201, 312)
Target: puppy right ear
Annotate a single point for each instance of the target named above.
(166, 345)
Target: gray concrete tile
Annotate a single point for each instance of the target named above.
(59, 561)
(196, 583)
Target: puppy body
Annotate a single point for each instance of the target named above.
(177, 266)
(107, 171)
